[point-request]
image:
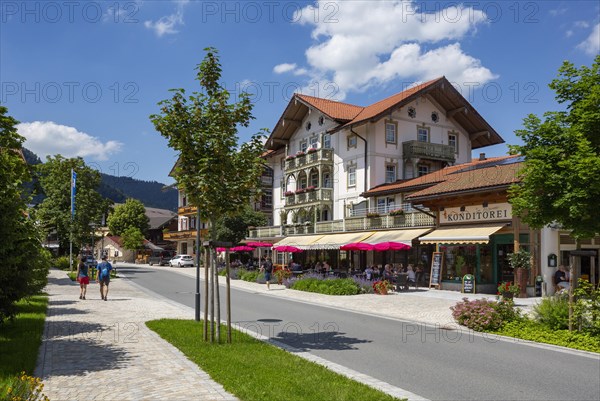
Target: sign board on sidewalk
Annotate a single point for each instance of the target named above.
(435, 277)
(468, 284)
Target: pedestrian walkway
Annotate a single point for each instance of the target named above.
(96, 350)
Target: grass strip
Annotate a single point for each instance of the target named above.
(252, 370)
(20, 339)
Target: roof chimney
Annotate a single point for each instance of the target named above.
(482, 157)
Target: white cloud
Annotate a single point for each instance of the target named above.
(360, 44)
(167, 25)
(569, 33)
(48, 138)
(591, 45)
(283, 68)
(582, 24)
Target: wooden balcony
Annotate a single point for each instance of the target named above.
(426, 150)
(182, 235)
(182, 210)
(310, 159)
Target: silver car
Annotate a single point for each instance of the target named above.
(181, 261)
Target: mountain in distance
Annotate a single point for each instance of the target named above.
(118, 189)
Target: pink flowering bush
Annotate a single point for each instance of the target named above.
(478, 315)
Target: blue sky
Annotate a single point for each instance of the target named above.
(84, 76)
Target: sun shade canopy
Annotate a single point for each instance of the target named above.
(461, 235)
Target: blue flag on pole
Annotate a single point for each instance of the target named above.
(73, 185)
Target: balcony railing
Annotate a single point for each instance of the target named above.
(186, 234)
(426, 150)
(309, 159)
(186, 210)
(317, 195)
(406, 207)
(408, 220)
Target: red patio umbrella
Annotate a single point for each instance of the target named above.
(259, 244)
(242, 248)
(287, 248)
(357, 246)
(390, 246)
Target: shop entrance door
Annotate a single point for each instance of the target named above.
(504, 269)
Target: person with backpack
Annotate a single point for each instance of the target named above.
(267, 269)
(103, 277)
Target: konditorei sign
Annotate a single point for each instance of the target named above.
(476, 214)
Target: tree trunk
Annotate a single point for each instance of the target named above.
(206, 263)
(217, 297)
(522, 281)
(212, 300)
(228, 297)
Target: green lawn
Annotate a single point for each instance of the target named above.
(20, 339)
(253, 370)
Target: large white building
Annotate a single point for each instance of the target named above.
(325, 154)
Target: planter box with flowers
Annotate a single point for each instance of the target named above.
(382, 287)
(288, 193)
(311, 150)
(300, 190)
(397, 216)
(310, 189)
(290, 157)
(373, 220)
(508, 290)
(300, 153)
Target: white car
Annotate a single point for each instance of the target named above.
(181, 261)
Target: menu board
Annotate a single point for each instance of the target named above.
(436, 269)
(468, 284)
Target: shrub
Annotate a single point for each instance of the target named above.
(587, 307)
(553, 312)
(337, 286)
(249, 276)
(478, 315)
(62, 263)
(366, 286)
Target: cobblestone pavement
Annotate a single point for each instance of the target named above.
(102, 350)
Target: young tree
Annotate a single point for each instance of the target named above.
(562, 157)
(54, 212)
(132, 213)
(133, 238)
(23, 262)
(217, 174)
(235, 228)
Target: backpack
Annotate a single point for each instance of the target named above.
(104, 272)
(268, 266)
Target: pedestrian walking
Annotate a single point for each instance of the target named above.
(82, 278)
(103, 277)
(267, 268)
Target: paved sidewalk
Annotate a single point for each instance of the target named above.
(102, 350)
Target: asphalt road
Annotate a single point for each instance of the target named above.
(433, 363)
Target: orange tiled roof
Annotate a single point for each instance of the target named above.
(335, 110)
(428, 179)
(496, 175)
(383, 105)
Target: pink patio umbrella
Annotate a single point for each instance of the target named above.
(221, 249)
(356, 246)
(391, 246)
(260, 244)
(287, 248)
(242, 248)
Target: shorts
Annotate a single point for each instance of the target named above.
(105, 281)
(83, 280)
(267, 276)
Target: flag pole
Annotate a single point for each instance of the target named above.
(73, 183)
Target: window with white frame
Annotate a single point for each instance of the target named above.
(422, 169)
(391, 204)
(390, 132)
(303, 146)
(327, 141)
(314, 179)
(381, 205)
(313, 141)
(351, 176)
(453, 140)
(390, 173)
(327, 180)
(282, 185)
(352, 141)
(422, 134)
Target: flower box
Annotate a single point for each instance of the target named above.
(311, 188)
(397, 212)
(300, 191)
(373, 214)
(290, 157)
(311, 150)
(288, 193)
(301, 153)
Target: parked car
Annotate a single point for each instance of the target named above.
(181, 261)
(160, 258)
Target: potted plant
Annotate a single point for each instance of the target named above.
(507, 289)
(382, 287)
(282, 273)
(521, 262)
